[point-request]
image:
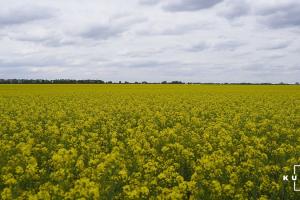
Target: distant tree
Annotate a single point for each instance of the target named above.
(177, 82)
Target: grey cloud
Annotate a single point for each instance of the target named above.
(227, 45)
(273, 8)
(235, 8)
(277, 15)
(190, 5)
(102, 32)
(280, 45)
(113, 28)
(281, 16)
(198, 47)
(25, 14)
(274, 56)
(58, 42)
(53, 40)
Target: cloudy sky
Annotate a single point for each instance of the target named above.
(152, 40)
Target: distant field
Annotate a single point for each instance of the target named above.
(148, 141)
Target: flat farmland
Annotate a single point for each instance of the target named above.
(149, 141)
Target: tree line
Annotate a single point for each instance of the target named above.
(94, 81)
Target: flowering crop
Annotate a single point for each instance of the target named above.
(148, 141)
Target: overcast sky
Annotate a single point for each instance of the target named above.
(152, 40)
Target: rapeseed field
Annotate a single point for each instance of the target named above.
(148, 141)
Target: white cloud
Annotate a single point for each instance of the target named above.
(152, 40)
